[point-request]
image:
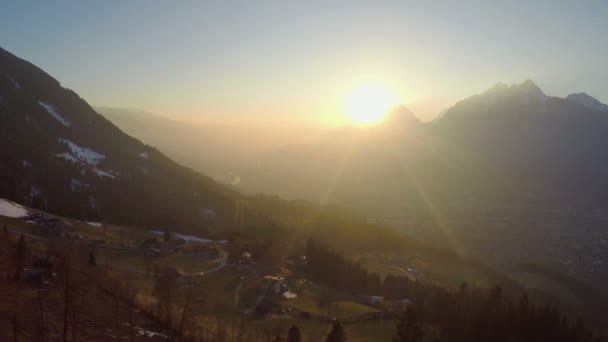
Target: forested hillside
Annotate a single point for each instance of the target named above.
(58, 154)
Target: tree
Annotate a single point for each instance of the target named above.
(408, 327)
(324, 300)
(21, 249)
(163, 289)
(294, 334)
(167, 235)
(336, 334)
(92, 259)
(20, 255)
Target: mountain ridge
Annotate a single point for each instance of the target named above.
(57, 153)
(588, 101)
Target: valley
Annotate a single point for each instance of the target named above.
(295, 171)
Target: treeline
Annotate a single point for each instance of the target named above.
(332, 269)
(469, 314)
(339, 227)
(475, 315)
(579, 287)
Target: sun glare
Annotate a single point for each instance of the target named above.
(369, 104)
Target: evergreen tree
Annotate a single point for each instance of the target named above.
(336, 334)
(167, 235)
(20, 254)
(21, 251)
(92, 259)
(408, 327)
(294, 334)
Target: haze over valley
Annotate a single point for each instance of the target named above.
(271, 171)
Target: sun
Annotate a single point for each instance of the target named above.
(369, 103)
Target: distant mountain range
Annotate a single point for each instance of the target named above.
(508, 143)
(60, 155)
(217, 149)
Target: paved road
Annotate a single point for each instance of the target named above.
(223, 262)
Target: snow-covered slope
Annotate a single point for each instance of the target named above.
(10, 209)
(51, 109)
(80, 165)
(84, 154)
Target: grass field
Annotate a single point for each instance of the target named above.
(449, 273)
(340, 310)
(138, 260)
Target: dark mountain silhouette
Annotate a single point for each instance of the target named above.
(503, 144)
(531, 141)
(507, 143)
(58, 154)
(588, 101)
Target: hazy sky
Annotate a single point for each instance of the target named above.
(300, 59)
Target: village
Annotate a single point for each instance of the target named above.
(259, 290)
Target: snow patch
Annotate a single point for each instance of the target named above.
(93, 202)
(94, 224)
(68, 156)
(289, 295)
(75, 184)
(189, 237)
(51, 110)
(26, 163)
(101, 173)
(14, 82)
(150, 333)
(11, 209)
(144, 155)
(85, 154)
